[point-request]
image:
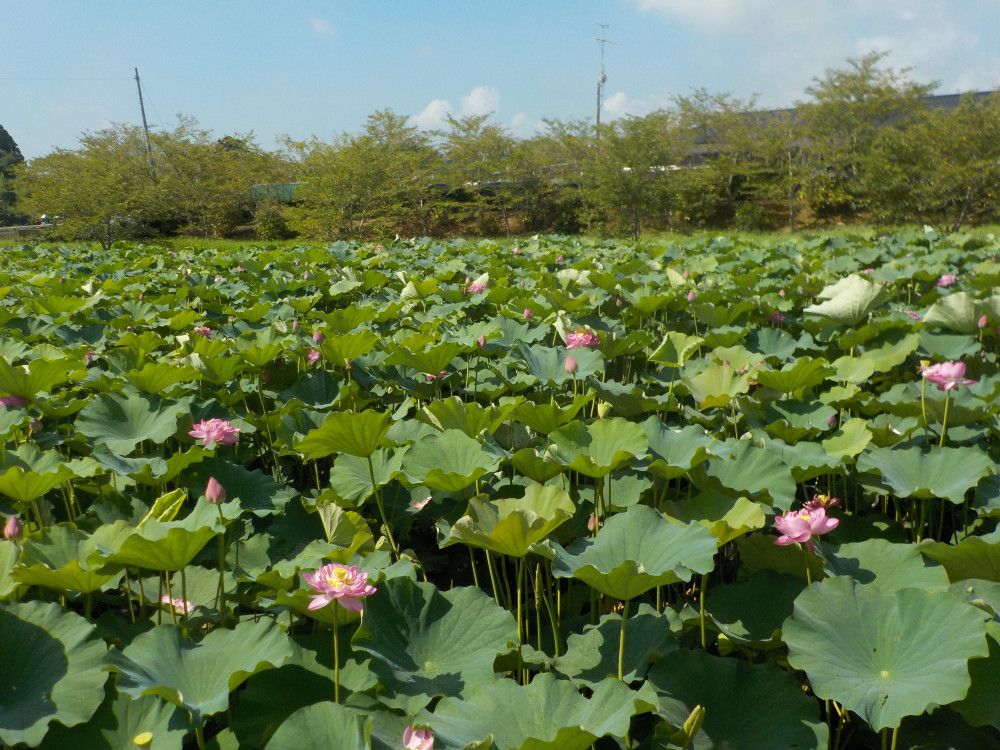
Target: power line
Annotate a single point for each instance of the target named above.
(60, 78)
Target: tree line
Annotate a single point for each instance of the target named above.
(869, 144)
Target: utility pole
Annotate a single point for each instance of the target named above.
(601, 78)
(145, 127)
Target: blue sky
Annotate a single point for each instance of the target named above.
(310, 67)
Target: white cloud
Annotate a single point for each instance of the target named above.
(433, 115)
(736, 14)
(480, 101)
(321, 26)
(523, 126)
(620, 105)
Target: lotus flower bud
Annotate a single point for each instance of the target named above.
(691, 295)
(592, 522)
(692, 726)
(215, 493)
(13, 530)
(295, 325)
(481, 342)
(983, 321)
(571, 365)
(528, 315)
(602, 409)
(318, 337)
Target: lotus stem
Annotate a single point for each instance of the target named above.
(381, 509)
(621, 642)
(199, 733)
(701, 608)
(944, 419)
(805, 558)
(220, 597)
(493, 578)
(184, 596)
(336, 661)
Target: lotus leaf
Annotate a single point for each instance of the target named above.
(355, 433)
(449, 461)
(599, 448)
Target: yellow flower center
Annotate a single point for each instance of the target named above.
(339, 578)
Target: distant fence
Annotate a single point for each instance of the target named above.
(25, 231)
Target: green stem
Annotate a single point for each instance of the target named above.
(701, 607)
(805, 557)
(381, 509)
(621, 641)
(199, 733)
(184, 597)
(220, 598)
(944, 419)
(336, 661)
(493, 578)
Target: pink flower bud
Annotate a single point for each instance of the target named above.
(215, 493)
(295, 325)
(592, 522)
(481, 342)
(528, 315)
(983, 321)
(318, 337)
(691, 295)
(571, 365)
(13, 530)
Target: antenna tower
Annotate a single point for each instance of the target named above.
(145, 127)
(602, 77)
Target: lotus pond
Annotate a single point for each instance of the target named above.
(462, 495)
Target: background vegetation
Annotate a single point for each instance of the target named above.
(868, 144)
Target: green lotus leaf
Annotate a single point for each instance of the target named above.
(252, 491)
(8, 557)
(891, 355)
(356, 433)
(166, 546)
(121, 422)
(344, 349)
(427, 642)
(118, 721)
(852, 438)
(40, 376)
(747, 706)
(592, 656)
(806, 415)
(319, 390)
(431, 360)
(346, 319)
(759, 552)
(958, 312)
(545, 418)
(848, 301)
(449, 461)
(547, 714)
(758, 472)
(549, 364)
(853, 369)
(260, 356)
(675, 451)
(675, 349)
(598, 448)
(716, 385)
(198, 677)
(636, 551)
(981, 705)
(351, 477)
(59, 556)
(802, 374)
(323, 725)
(539, 467)
(948, 346)
(881, 564)
(725, 516)
(28, 472)
(166, 507)
(934, 472)
(973, 557)
(52, 670)
(455, 414)
(156, 377)
(514, 526)
(752, 612)
(215, 368)
(880, 653)
(806, 459)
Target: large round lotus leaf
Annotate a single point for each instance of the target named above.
(544, 418)
(514, 526)
(759, 552)
(449, 461)
(549, 365)
(121, 422)
(40, 376)
(753, 611)
(716, 385)
(675, 348)
(939, 472)
(599, 448)
(357, 433)
(27, 473)
(253, 490)
(57, 557)
(546, 714)
(455, 414)
(592, 656)
(958, 312)
(342, 350)
(636, 551)
(981, 705)
(757, 472)
(167, 546)
(878, 563)
(848, 301)
(803, 373)
(351, 476)
(675, 451)
(432, 360)
(52, 669)
(532, 464)
(119, 721)
(198, 677)
(426, 642)
(747, 706)
(945, 729)
(8, 557)
(725, 516)
(327, 725)
(852, 438)
(973, 557)
(881, 653)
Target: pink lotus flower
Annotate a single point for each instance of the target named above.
(559, 259)
(476, 288)
(528, 315)
(219, 279)
(947, 376)
(204, 331)
(11, 402)
(215, 430)
(781, 292)
(802, 525)
(417, 739)
(215, 493)
(947, 279)
(296, 325)
(582, 338)
(185, 271)
(516, 251)
(89, 356)
(13, 530)
(421, 504)
(180, 605)
(571, 366)
(343, 583)
(821, 501)
(313, 356)
(776, 317)
(432, 377)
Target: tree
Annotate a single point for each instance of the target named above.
(563, 154)
(99, 191)
(849, 111)
(10, 158)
